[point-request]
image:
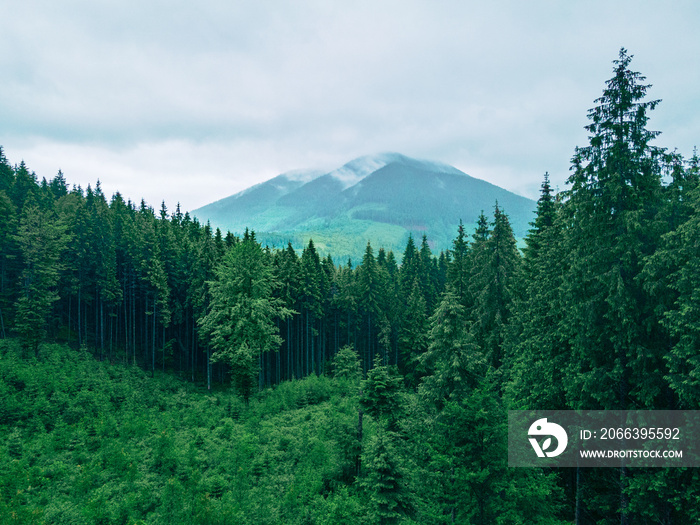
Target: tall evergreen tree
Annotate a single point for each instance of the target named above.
(413, 336)
(7, 174)
(369, 291)
(311, 304)
(454, 363)
(458, 267)
(8, 256)
(614, 333)
(536, 347)
(381, 393)
(614, 196)
(40, 239)
(25, 182)
(389, 499)
(240, 322)
(494, 286)
(677, 266)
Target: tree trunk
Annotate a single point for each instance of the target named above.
(70, 304)
(192, 350)
(359, 440)
(153, 347)
(578, 513)
(208, 370)
(80, 335)
(102, 331)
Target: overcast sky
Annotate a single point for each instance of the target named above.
(191, 102)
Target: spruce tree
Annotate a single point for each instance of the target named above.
(453, 362)
(494, 286)
(369, 290)
(8, 256)
(612, 328)
(413, 335)
(536, 347)
(458, 267)
(40, 239)
(388, 498)
(240, 322)
(614, 195)
(677, 263)
(381, 393)
(7, 174)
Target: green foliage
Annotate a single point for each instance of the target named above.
(346, 365)
(615, 192)
(536, 347)
(454, 363)
(381, 392)
(389, 497)
(413, 340)
(115, 446)
(240, 322)
(493, 285)
(40, 240)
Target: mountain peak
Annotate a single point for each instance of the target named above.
(357, 169)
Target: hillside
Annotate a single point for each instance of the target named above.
(381, 198)
(85, 442)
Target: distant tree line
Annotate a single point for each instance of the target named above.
(599, 310)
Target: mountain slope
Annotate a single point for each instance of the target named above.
(230, 213)
(381, 198)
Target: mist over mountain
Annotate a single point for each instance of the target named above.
(378, 198)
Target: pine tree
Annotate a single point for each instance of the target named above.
(494, 285)
(670, 274)
(311, 303)
(105, 267)
(614, 195)
(453, 363)
(413, 341)
(346, 365)
(369, 292)
(615, 336)
(536, 347)
(58, 185)
(25, 183)
(428, 274)
(458, 267)
(8, 256)
(384, 481)
(677, 265)
(240, 322)
(40, 239)
(410, 267)
(289, 277)
(7, 174)
(381, 393)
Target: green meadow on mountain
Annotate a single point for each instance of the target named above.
(379, 198)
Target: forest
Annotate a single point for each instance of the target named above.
(154, 370)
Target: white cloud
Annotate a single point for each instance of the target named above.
(193, 102)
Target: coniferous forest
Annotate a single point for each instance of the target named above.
(154, 370)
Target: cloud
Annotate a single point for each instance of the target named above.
(151, 96)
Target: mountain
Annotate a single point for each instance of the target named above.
(381, 198)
